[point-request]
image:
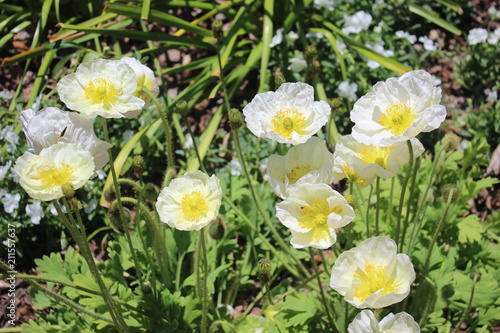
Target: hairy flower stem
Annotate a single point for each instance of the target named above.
(195, 145)
(367, 216)
(119, 201)
(410, 201)
(321, 291)
(81, 240)
(168, 134)
(436, 233)
(201, 290)
(403, 191)
(377, 212)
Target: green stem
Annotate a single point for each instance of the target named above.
(322, 292)
(81, 240)
(204, 288)
(367, 218)
(409, 204)
(466, 310)
(436, 233)
(377, 212)
(168, 132)
(195, 145)
(403, 190)
(269, 294)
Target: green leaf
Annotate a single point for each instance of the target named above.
(470, 229)
(434, 18)
(52, 267)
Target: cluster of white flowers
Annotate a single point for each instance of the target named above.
(481, 35)
(427, 43)
(356, 23)
(278, 38)
(403, 34)
(7, 133)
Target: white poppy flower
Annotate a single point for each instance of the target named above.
(101, 88)
(190, 202)
(365, 322)
(289, 115)
(346, 169)
(145, 78)
(398, 109)
(373, 274)
(370, 161)
(42, 175)
(312, 212)
(52, 125)
(310, 162)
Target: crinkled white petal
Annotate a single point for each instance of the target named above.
(416, 91)
(365, 322)
(297, 96)
(73, 89)
(311, 161)
(30, 166)
(51, 126)
(170, 200)
(378, 253)
(307, 232)
(145, 78)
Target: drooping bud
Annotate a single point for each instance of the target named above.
(217, 26)
(451, 142)
(235, 119)
(150, 192)
(68, 190)
(217, 228)
(182, 107)
(450, 189)
(138, 164)
(115, 217)
(279, 79)
(110, 194)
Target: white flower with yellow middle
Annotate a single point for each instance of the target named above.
(145, 79)
(312, 212)
(190, 202)
(369, 161)
(51, 126)
(310, 162)
(398, 110)
(365, 322)
(373, 275)
(101, 88)
(288, 115)
(42, 176)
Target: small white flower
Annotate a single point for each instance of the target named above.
(90, 206)
(365, 322)
(4, 169)
(53, 209)
(492, 97)
(11, 202)
(292, 36)
(190, 202)
(356, 23)
(428, 43)
(35, 212)
(127, 135)
(42, 175)
(297, 63)
(317, 35)
(289, 115)
(6, 95)
(494, 13)
(188, 144)
(403, 34)
(373, 275)
(312, 212)
(101, 88)
(378, 27)
(101, 174)
(11, 137)
(477, 35)
(52, 126)
(145, 78)
(235, 168)
(327, 4)
(348, 90)
(494, 37)
(340, 46)
(310, 163)
(3, 193)
(398, 109)
(278, 38)
(379, 48)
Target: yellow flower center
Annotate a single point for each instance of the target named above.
(297, 173)
(287, 121)
(194, 206)
(101, 91)
(376, 155)
(353, 177)
(56, 176)
(315, 217)
(397, 118)
(372, 280)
